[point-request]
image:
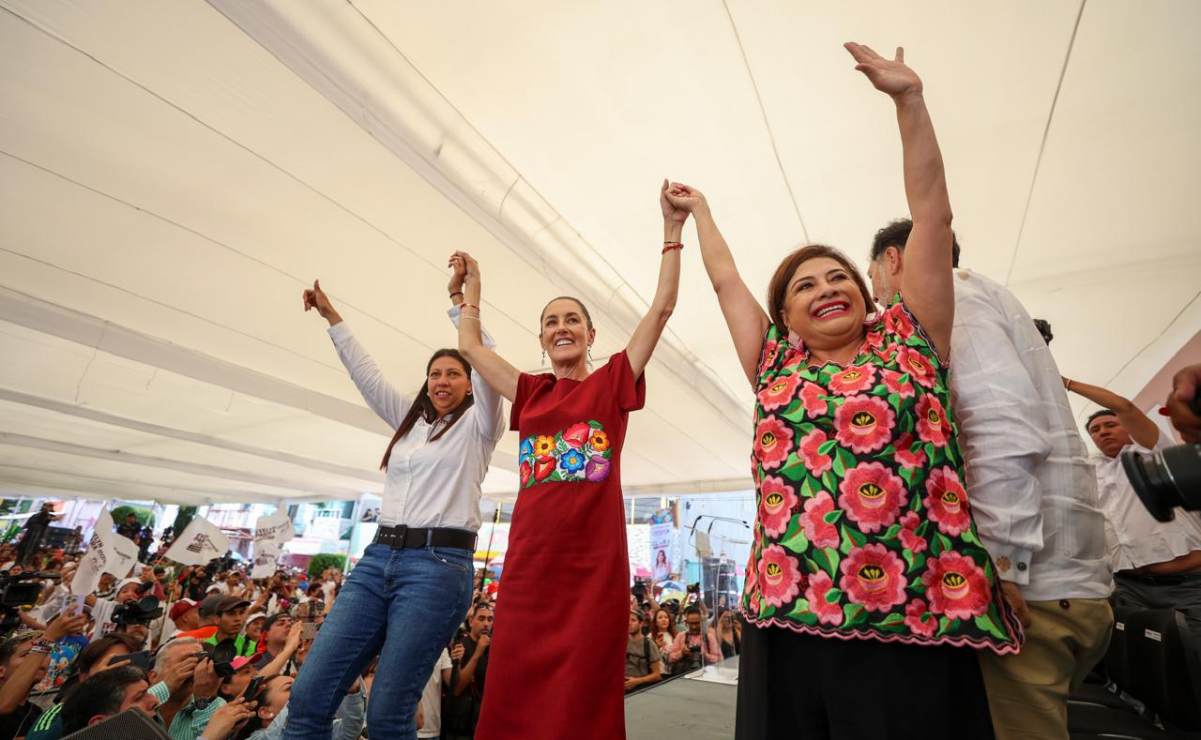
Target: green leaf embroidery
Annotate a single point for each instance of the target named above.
(808, 488)
(832, 517)
(891, 620)
(944, 542)
(914, 561)
(828, 559)
(922, 528)
(856, 537)
(846, 458)
(797, 543)
(839, 468)
(853, 615)
(833, 596)
(825, 447)
(944, 624)
(970, 537)
(794, 470)
(985, 624)
(892, 532)
(802, 613)
(829, 483)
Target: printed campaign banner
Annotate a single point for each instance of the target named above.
(199, 543)
(661, 551)
(107, 553)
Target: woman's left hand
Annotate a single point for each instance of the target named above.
(464, 261)
(671, 213)
(889, 76)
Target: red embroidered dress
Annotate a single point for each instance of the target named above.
(864, 528)
(557, 669)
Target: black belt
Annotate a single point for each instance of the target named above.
(402, 537)
(1174, 579)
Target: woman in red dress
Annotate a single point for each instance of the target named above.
(554, 675)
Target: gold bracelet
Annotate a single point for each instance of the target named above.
(469, 316)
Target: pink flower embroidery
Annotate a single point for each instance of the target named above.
(956, 586)
(864, 423)
(819, 532)
(919, 368)
(773, 440)
(854, 379)
(932, 424)
(873, 576)
(872, 496)
(910, 539)
(779, 575)
(892, 380)
(778, 393)
(918, 618)
(815, 461)
(908, 457)
(815, 594)
(776, 501)
(946, 500)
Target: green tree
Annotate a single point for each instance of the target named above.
(145, 516)
(324, 560)
(184, 518)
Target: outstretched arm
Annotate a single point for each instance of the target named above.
(492, 367)
(1137, 424)
(926, 284)
(744, 316)
(646, 335)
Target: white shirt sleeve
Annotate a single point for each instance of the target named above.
(388, 403)
(489, 416)
(1002, 435)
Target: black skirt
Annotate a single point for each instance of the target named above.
(816, 688)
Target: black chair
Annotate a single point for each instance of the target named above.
(1165, 668)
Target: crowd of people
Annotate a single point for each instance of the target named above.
(931, 532)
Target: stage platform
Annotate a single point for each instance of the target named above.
(697, 706)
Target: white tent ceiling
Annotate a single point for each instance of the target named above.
(173, 173)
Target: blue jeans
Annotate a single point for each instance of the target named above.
(403, 605)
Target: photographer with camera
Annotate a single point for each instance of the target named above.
(23, 662)
(129, 590)
(1157, 564)
(695, 647)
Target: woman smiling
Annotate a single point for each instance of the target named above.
(866, 572)
(568, 531)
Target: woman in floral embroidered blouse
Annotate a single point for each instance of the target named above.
(864, 533)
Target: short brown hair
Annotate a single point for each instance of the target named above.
(778, 287)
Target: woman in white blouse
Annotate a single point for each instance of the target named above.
(412, 588)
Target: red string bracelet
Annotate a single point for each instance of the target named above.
(668, 246)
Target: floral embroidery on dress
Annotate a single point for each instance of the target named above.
(579, 453)
(864, 527)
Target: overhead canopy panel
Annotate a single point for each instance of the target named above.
(172, 175)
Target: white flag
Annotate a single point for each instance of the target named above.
(107, 553)
(266, 556)
(199, 543)
(273, 529)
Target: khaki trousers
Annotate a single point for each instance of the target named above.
(1028, 692)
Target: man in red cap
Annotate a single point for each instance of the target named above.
(184, 615)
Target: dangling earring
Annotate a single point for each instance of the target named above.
(543, 358)
(590, 353)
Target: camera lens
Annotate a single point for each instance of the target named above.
(1166, 479)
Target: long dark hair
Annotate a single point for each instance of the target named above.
(423, 407)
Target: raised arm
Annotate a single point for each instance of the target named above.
(745, 318)
(650, 328)
(388, 403)
(488, 416)
(926, 284)
(1137, 424)
(492, 367)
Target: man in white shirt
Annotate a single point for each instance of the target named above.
(1032, 492)
(430, 708)
(1157, 565)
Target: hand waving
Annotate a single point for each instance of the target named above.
(315, 298)
(889, 76)
(671, 212)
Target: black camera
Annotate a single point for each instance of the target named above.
(16, 592)
(222, 655)
(143, 611)
(1168, 478)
